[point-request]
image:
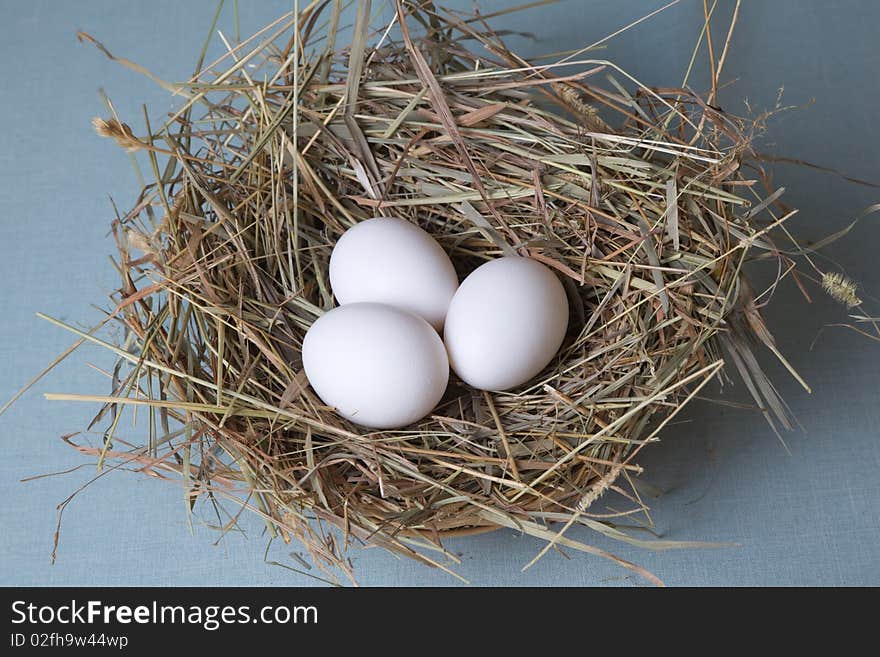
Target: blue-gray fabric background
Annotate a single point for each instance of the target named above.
(807, 516)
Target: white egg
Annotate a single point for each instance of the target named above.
(505, 323)
(392, 261)
(378, 366)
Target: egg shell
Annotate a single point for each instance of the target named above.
(392, 261)
(505, 323)
(378, 366)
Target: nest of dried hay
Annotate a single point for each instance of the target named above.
(639, 198)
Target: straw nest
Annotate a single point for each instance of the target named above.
(639, 198)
